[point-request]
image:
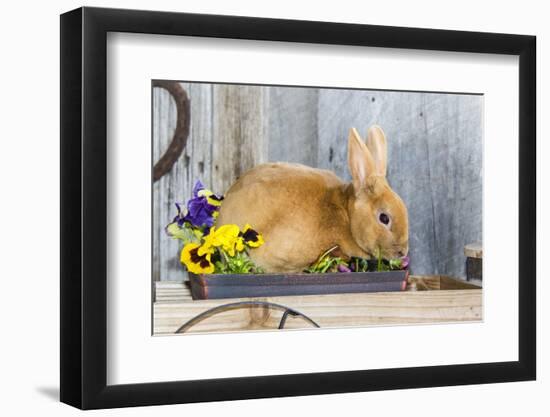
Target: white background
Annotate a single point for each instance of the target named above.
(133, 60)
(29, 218)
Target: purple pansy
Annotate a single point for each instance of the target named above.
(343, 268)
(197, 188)
(199, 211)
(405, 260)
(180, 218)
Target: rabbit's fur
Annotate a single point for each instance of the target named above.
(301, 211)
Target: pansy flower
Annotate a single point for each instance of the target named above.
(178, 229)
(226, 237)
(343, 268)
(209, 242)
(207, 248)
(213, 199)
(180, 217)
(203, 207)
(399, 263)
(195, 263)
(251, 237)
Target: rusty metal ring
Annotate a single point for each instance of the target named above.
(181, 133)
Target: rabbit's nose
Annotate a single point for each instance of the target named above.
(401, 253)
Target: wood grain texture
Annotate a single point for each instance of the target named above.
(195, 163)
(434, 144)
(474, 250)
(240, 135)
(164, 250)
(437, 299)
(181, 132)
(293, 125)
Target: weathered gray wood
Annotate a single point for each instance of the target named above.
(239, 124)
(164, 122)
(293, 125)
(177, 186)
(198, 153)
(435, 155)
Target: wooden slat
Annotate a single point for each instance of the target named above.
(240, 132)
(293, 125)
(167, 190)
(474, 250)
(448, 283)
(194, 164)
(424, 282)
(339, 310)
(173, 291)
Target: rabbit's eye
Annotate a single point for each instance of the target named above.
(384, 218)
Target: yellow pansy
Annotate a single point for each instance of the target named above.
(213, 201)
(209, 242)
(211, 198)
(239, 245)
(195, 263)
(251, 237)
(226, 236)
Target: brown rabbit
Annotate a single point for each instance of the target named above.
(301, 211)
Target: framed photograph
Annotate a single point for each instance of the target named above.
(257, 208)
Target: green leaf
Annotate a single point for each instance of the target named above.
(182, 233)
(240, 263)
(395, 263)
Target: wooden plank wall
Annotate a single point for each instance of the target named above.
(435, 155)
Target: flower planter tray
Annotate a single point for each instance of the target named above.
(218, 286)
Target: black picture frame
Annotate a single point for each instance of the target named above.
(84, 207)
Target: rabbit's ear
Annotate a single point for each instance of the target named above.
(376, 142)
(360, 161)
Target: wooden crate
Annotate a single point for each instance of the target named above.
(428, 299)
